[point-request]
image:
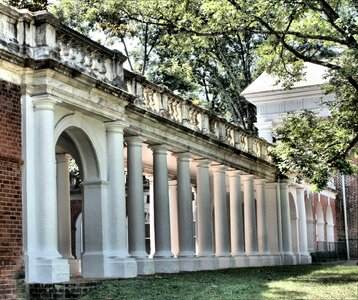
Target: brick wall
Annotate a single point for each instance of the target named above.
(10, 189)
(74, 289)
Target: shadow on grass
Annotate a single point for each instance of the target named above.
(278, 282)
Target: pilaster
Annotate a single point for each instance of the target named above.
(43, 263)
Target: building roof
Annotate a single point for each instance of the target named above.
(267, 82)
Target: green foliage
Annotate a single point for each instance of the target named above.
(212, 49)
(313, 148)
(32, 5)
(213, 70)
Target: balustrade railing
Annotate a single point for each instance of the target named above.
(40, 36)
(160, 100)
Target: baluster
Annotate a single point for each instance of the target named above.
(185, 114)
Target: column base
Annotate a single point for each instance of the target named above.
(241, 261)
(75, 266)
(225, 262)
(305, 259)
(46, 270)
(276, 259)
(289, 259)
(100, 266)
(145, 266)
(254, 260)
(267, 259)
(208, 263)
(166, 265)
(188, 264)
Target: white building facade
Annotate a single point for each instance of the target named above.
(313, 211)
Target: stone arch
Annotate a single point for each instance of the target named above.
(310, 223)
(85, 147)
(320, 227)
(75, 136)
(294, 224)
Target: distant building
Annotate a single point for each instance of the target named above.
(273, 102)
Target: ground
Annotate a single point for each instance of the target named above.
(280, 282)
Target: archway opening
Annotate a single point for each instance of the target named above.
(76, 163)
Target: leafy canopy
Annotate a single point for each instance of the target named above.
(293, 31)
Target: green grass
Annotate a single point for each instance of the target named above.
(288, 282)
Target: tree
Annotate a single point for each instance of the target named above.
(295, 31)
(202, 35)
(212, 69)
(32, 5)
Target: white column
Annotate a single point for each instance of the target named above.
(49, 267)
(116, 245)
(46, 208)
(63, 206)
(288, 258)
(249, 216)
(151, 215)
(272, 218)
(302, 223)
(135, 206)
(205, 242)
(135, 196)
(262, 224)
(64, 212)
(185, 208)
(164, 262)
(236, 216)
(261, 217)
(161, 202)
(222, 230)
(173, 208)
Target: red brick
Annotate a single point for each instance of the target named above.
(10, 188)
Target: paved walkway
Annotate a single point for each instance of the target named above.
(352, 262)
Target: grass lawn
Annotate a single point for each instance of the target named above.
(283, 282)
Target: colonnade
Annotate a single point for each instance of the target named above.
(241, 220)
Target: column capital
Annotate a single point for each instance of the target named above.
(115, 126)
(45, 102)
(62, 157)
(183, 156)
(234, 173)
(284, 182)
(247, 177)
(300, 189)
(202, 162)
(271, 185)
(218, 168)
(159, 148)
(134, 140)
(260, 181)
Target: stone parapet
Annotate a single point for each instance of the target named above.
(159, 100)
(40, 36)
